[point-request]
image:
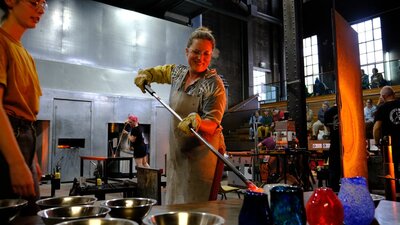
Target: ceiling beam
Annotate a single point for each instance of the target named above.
(210, 6)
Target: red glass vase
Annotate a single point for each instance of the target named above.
(324, 208)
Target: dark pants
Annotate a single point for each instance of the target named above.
(369, 126)
(25, 134)
(335, 166)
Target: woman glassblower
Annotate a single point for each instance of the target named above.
(198, 96)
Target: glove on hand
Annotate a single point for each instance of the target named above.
(143, 79)
(193, 120)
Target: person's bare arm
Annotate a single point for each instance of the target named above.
(132, 138)
(21, 177)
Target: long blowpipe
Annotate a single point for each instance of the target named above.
(250, 185)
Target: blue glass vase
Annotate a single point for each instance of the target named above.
(287, 205)
(255, 209)
(359, 208)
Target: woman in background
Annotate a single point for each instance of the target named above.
(136, 140)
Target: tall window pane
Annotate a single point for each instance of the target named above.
(377, 33)
(259, 81)
(311, 62)
(370, 45)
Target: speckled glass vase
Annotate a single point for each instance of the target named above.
(324, 208)
(287, 205)
(357, 203)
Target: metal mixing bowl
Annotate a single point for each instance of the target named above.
(9, 209)
(99, 221)
(130, 208)
(66, 213)
(184, 218)
(65, 201)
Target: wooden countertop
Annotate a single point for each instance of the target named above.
(387, 212)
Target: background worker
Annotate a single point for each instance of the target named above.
(269, 144)
(265, 125)
(319, 124)
(310, 118)
(254, 122)
(369, 117)
(387, 123)
(136, 140)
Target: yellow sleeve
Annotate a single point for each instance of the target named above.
(159, 74)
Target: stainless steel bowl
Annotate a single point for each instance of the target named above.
(66, 213)
(9, 209)
(184, 218)
(100, 221)
(130, 208)
(65, 201)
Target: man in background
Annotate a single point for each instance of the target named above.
(364, 80)
(319, 124)
(387, 123)
(369, 115)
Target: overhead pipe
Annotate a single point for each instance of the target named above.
(259, 15)
(242, 5)
(247, 9)
(268, 18)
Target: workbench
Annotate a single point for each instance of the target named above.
(387, 212)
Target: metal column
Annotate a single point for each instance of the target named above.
(293, 59)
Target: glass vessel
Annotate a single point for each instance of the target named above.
(255, 209)
(324, 208)
(267, 190)
(357, 203)
(287, 205)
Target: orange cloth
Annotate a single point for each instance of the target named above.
(19, 77)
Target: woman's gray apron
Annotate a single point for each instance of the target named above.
(190, 165)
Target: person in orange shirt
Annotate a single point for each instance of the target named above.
(19, 93)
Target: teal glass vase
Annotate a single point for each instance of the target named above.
(359, 208)
(287, 205)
